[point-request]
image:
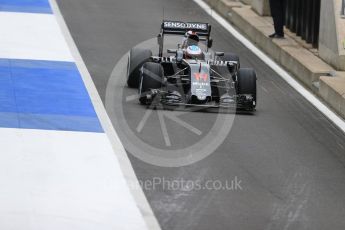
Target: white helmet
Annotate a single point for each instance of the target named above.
(193, 51)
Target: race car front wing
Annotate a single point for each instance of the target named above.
(160, 98)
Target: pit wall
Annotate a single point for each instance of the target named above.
(322, 71)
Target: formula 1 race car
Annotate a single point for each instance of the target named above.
(190, 76)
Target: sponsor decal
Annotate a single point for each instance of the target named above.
(200, 84)
(202, 76)
(185, 25)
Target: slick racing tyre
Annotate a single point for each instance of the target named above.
(137, 57)
(151, 78)
(247, 82)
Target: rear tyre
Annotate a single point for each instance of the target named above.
(137, 57)
(246, 82)
(151, 78)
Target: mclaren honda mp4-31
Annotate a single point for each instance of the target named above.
(191, 75)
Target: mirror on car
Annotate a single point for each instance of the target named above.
(172, 51)
(210, 43)
(219, 54)
(159, 39)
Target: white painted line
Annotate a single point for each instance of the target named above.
(118, 148)
(63, 180)
(32, 36)
(338, 121)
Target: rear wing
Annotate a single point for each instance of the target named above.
(180, 28)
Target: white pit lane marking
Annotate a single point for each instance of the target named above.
(33, 37)
(54, 176)
(118, 149)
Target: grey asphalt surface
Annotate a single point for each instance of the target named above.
(289, 157)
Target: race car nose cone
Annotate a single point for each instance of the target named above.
(201, 97)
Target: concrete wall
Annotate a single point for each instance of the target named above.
(262, 7)
(332, 30)
(332, 34)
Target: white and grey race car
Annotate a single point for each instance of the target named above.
(189, 76)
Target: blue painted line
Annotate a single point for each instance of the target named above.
(7, 98)
(45, 95)
(9, 120)
(26, 6)
(58, 122)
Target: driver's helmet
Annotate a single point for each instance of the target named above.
(191, 45)
(194, 51)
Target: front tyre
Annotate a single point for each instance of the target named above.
(137, 57)
(246, 83)
(151, 78)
